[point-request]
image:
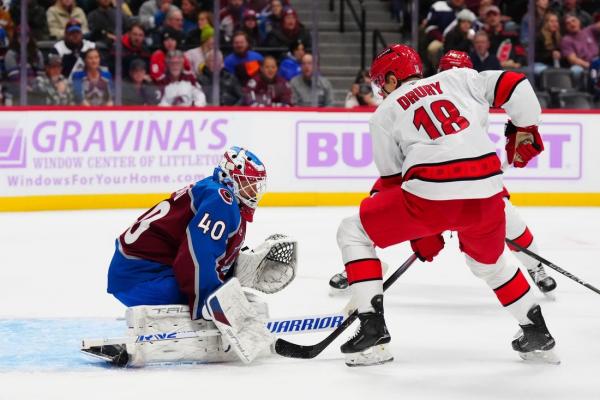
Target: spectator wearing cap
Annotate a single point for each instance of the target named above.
(504, 39)
(92, 86)
(134, 47)
(138, 89)
(62, 12)
(72, 46)
(153, 12)
(250, 26)
(440, 15)
(179, 87)
(547, 44)
(302, 86)
(460, 37)
(482, 59)
(271, 17)
(290, 65)
(290, 31)
(267, 89)
(51, 88)
(242, 62)
(170, 41)
(103, 21)
(203, 30)
(189, 9)
(230, 89)
(231, 18)
(579, 46)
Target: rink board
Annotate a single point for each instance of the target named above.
(85, 158)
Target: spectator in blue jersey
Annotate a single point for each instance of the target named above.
(243, 62)
(92, 86)
(291, 65)
(189, 246)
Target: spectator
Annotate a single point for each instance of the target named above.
(541, 8)
(504, 39)
(197, 56)
(103, 21)
(171, 40)
(51, 88)
(189, 9)
(35, 63)
(290, 66)
(92, 86)
(361, 93)
(134, 47)
(302, 86)
(138, 89)
(441, 14)
(267, 89)
(179, 87)
(482, 59)
(461, 36)
(572, 7)
(204, 30)
(36, 18)
(174, 22)
(153, 12)
(62, 12)
(243, 62)
(250, 26)
(231, 18)
(547, 44)
(290, 31)
(579, 46)
(271, 17)
(230, 90)
(72, 47)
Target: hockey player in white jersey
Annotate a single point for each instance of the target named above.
(516, 228)
(439, 171)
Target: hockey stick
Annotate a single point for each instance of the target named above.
(293, 350)
(553, 266)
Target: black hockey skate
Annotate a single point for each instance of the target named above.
(541, 279)
(533, 341)
(338, 284)
(368, 345)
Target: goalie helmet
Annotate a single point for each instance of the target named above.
(455, 58)
(246, 175)
(399, 60)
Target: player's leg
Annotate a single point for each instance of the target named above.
(338, 284)
(517, 231)
(483, 244)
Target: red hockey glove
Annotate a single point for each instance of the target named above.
(522, 144)
(385, 182)
(426, 248)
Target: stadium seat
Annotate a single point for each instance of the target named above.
(544, 99)
(557, 80)
(575, 100)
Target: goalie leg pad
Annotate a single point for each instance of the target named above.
(238, 321)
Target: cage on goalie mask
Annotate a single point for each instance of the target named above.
(245, 174)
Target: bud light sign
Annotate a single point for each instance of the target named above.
(343, 150)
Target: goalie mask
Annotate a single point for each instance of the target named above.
(246, 175)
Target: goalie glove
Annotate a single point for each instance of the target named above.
(270, 267)
(522, 144)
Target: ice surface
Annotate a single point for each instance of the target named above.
(450, 338)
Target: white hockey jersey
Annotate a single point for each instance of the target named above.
(433, 131)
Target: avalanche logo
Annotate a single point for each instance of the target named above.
(12, 145)
(226, 196)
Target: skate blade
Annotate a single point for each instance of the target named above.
(372, 356)
(541, 357)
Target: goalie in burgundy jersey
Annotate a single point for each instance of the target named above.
(188, 247)
(516, 228)
(439, 171)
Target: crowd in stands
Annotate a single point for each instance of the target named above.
(168, 53)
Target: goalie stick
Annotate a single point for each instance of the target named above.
(553, 266)
(293, 350)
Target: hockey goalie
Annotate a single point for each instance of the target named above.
(187, 282)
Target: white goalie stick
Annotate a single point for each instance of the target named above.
(113, 349)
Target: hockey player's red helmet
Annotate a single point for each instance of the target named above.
(455, 58)
(400, 60)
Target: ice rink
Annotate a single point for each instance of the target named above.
(450, 337)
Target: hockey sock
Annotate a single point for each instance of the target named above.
(366, 281)
(509, 285)
(529, 244)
